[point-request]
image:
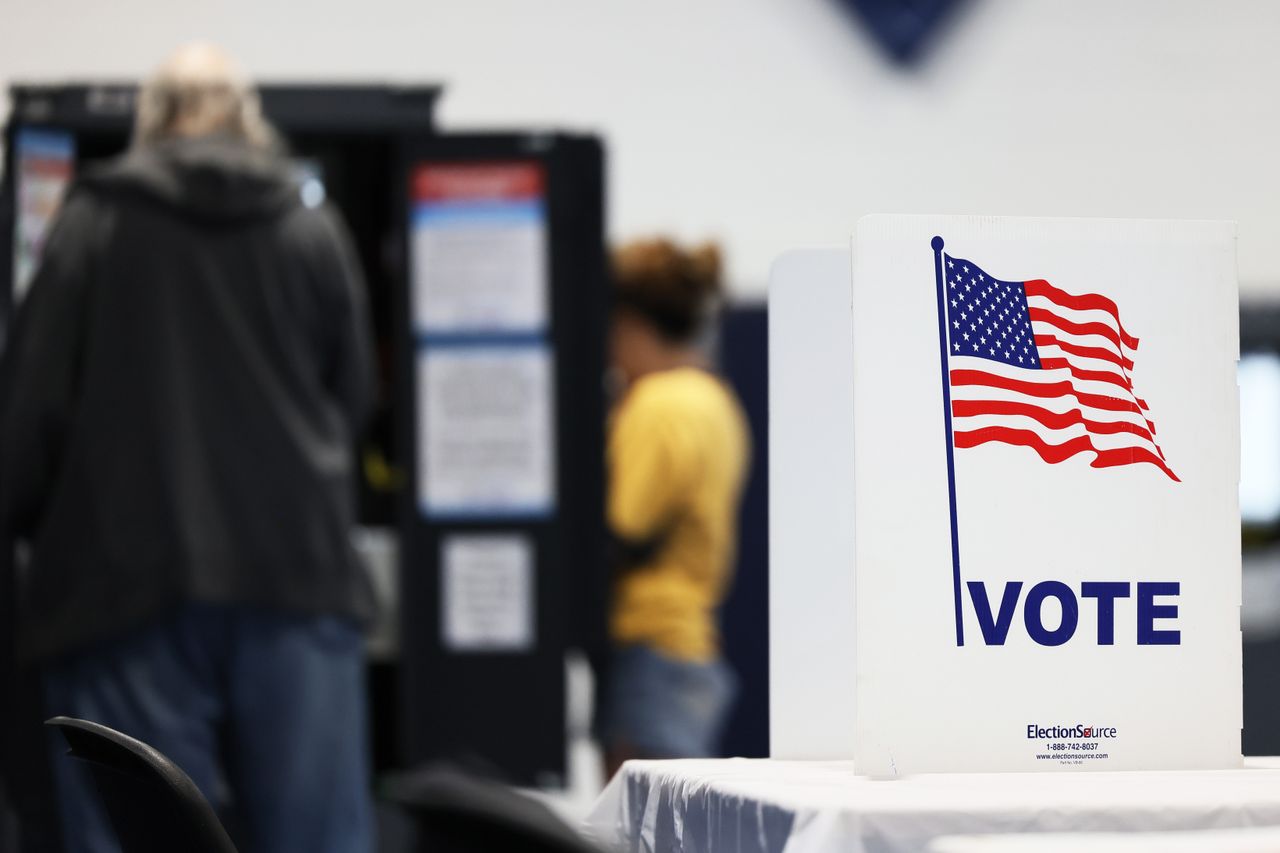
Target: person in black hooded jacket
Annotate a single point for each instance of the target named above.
(179, 402)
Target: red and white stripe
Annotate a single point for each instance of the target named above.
(1082, 398)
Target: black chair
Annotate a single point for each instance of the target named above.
(453, 811)
(153, 805)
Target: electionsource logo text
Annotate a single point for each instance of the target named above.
(1076, 732)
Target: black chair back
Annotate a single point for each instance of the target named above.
(457, 812)
(153, 805)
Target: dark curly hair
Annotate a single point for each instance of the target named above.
(675, 289)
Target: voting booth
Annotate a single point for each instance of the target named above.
(504, 530)
(1004, 553)
(1013, 527)
(345, 143)
(484, 257)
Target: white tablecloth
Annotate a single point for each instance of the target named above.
(1264, 840)
(756, 806)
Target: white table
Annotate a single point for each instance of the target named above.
(1264, 840)
(764, 806)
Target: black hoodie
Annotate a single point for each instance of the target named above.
(180, 398)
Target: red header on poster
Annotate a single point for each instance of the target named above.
(34, 165)
(435, 182)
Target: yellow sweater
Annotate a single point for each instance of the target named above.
(678, 454)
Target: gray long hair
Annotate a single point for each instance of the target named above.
(200, 91)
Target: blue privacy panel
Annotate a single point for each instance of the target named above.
(744, 358)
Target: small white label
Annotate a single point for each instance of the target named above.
(487, 593)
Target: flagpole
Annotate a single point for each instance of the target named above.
(941, 278)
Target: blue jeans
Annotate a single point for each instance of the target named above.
(264, 706)
(660, 707)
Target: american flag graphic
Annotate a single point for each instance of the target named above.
(1035, 366)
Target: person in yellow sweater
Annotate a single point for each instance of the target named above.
(677, 457)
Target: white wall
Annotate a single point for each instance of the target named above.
(774, 123)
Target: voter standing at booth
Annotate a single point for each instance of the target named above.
(677, 455)
(178, 405)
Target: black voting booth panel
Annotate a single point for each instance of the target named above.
(506, 708)
(504, 711)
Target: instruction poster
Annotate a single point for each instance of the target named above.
(485, 363)
(43, 166)
(486, 430)
(479, 248)
(487, 594)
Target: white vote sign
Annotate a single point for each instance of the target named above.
(1046, 457)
